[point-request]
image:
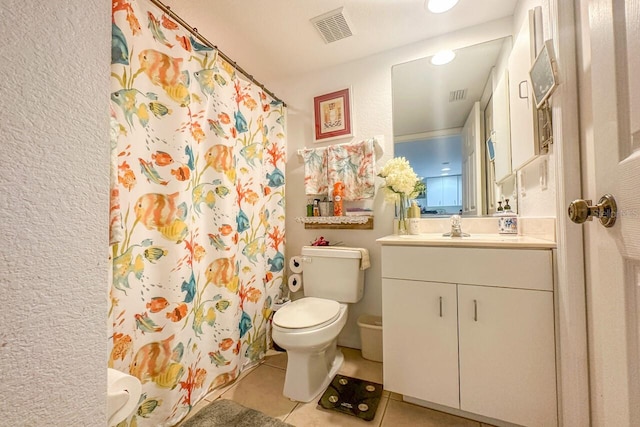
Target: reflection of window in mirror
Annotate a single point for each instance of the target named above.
(438, 161)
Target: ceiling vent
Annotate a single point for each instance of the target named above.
(458, 95)
(333, 25)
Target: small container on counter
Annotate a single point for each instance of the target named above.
(338, 193)
(507, 222)
(309, 208)
(326, 208)
(316, 207)
(414, 218)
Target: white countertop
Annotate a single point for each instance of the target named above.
(473, 241)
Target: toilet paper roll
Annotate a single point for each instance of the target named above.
(295, 282)
(295, 264)
(123, 393)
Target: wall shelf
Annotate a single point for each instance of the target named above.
(337, 222)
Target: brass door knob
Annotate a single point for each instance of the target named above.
(580, 210)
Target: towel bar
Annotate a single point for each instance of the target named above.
(378, 143)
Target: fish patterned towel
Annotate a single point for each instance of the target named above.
(315, 170)
(354, 165)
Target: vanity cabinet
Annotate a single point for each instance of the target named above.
(471, 329)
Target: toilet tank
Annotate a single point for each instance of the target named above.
(332, 273)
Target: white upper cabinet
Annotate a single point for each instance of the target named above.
(444, 191)
(501, 137)
(523, 111)
(471, 162)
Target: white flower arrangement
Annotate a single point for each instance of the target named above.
(400, 180)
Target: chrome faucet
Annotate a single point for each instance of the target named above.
(456, 228)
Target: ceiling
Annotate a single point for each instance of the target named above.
(428, 98)
(275, 39)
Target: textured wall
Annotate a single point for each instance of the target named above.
(53, 207)
(370, 79)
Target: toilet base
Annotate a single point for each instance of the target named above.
(309, 374)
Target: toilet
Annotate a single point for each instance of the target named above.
(308, 328)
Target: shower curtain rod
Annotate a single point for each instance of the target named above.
(194, 31)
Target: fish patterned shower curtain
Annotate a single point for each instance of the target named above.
(199, 155)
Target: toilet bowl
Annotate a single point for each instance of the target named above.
(308, 328)
(313, 357)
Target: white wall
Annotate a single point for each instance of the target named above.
(536, 180)
(54, 81)
(370, 79)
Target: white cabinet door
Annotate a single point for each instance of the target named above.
(450, 193)
(420, 340)
(434, 192)
(444, 191)
(522, 109)
(471, 186)
(501, 136)
(507, 354)
(459, 183)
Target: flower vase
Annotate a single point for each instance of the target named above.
(402, 215)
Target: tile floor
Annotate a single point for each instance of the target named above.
(260, 388)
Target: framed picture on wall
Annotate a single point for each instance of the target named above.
(332, 115)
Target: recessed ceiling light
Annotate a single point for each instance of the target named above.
(444, 174)
(445, 169)
(440, 6)
(443, 57)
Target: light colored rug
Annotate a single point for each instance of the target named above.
(228, 413)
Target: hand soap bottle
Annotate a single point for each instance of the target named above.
(414, 218)
(507, 220)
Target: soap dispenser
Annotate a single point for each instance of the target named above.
(414, 218)
(507, 220)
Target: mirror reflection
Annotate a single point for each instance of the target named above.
(442, 118)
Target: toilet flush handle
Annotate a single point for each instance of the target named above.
(306, 259)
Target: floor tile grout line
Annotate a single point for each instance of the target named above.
(292, 411)
(384, 411)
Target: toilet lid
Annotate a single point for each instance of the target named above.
(307, 312)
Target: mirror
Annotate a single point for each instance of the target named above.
(442, 118)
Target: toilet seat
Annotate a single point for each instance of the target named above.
(307, 313)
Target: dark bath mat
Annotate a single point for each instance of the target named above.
(227, 413)
(352, 396)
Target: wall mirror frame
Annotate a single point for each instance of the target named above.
(443, 124)
(476, 114)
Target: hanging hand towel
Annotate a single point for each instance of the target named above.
(365, 261)
(315, 170)
(353, 164)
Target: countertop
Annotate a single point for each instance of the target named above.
(473, 241)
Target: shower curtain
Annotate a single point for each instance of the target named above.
(197, 233)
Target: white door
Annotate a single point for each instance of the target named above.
(609, 66)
